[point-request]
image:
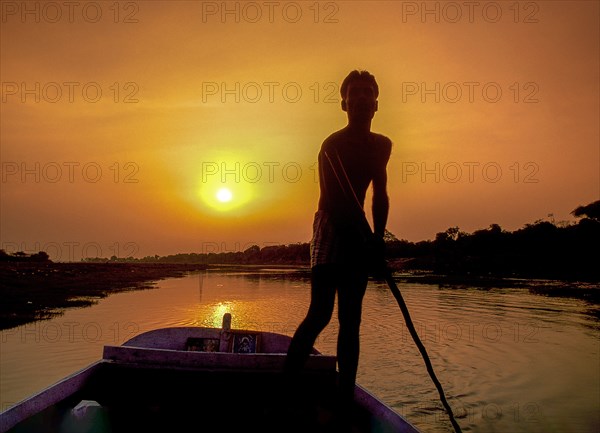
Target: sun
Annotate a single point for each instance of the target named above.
(217, 195)
(224, 195)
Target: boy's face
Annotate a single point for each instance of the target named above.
(360, 102)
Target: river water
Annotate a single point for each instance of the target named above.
(509, 360)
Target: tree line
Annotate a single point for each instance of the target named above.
(542, 249)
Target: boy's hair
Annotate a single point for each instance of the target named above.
(357, 75)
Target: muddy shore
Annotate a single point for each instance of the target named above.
(34, 291)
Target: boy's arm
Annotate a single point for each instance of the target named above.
(381, 202)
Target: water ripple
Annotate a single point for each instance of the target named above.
(509, 360)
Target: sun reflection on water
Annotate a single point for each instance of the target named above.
(215, 319)
(244, 315)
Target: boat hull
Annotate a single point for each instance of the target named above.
(154, 383)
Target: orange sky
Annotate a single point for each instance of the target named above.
(118, 124)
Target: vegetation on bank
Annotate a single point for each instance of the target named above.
(543, 249)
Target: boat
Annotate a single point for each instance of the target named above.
(199, 379)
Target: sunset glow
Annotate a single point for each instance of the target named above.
(156, 127)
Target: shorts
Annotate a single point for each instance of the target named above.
(336, 241)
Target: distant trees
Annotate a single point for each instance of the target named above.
(539, 250)
(591, 211)
(291, 254)
(21, 256)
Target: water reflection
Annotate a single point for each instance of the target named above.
(509, 360)
(216, 318)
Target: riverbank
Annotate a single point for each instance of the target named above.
(35, 291)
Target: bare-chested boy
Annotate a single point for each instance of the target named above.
(343, 253)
